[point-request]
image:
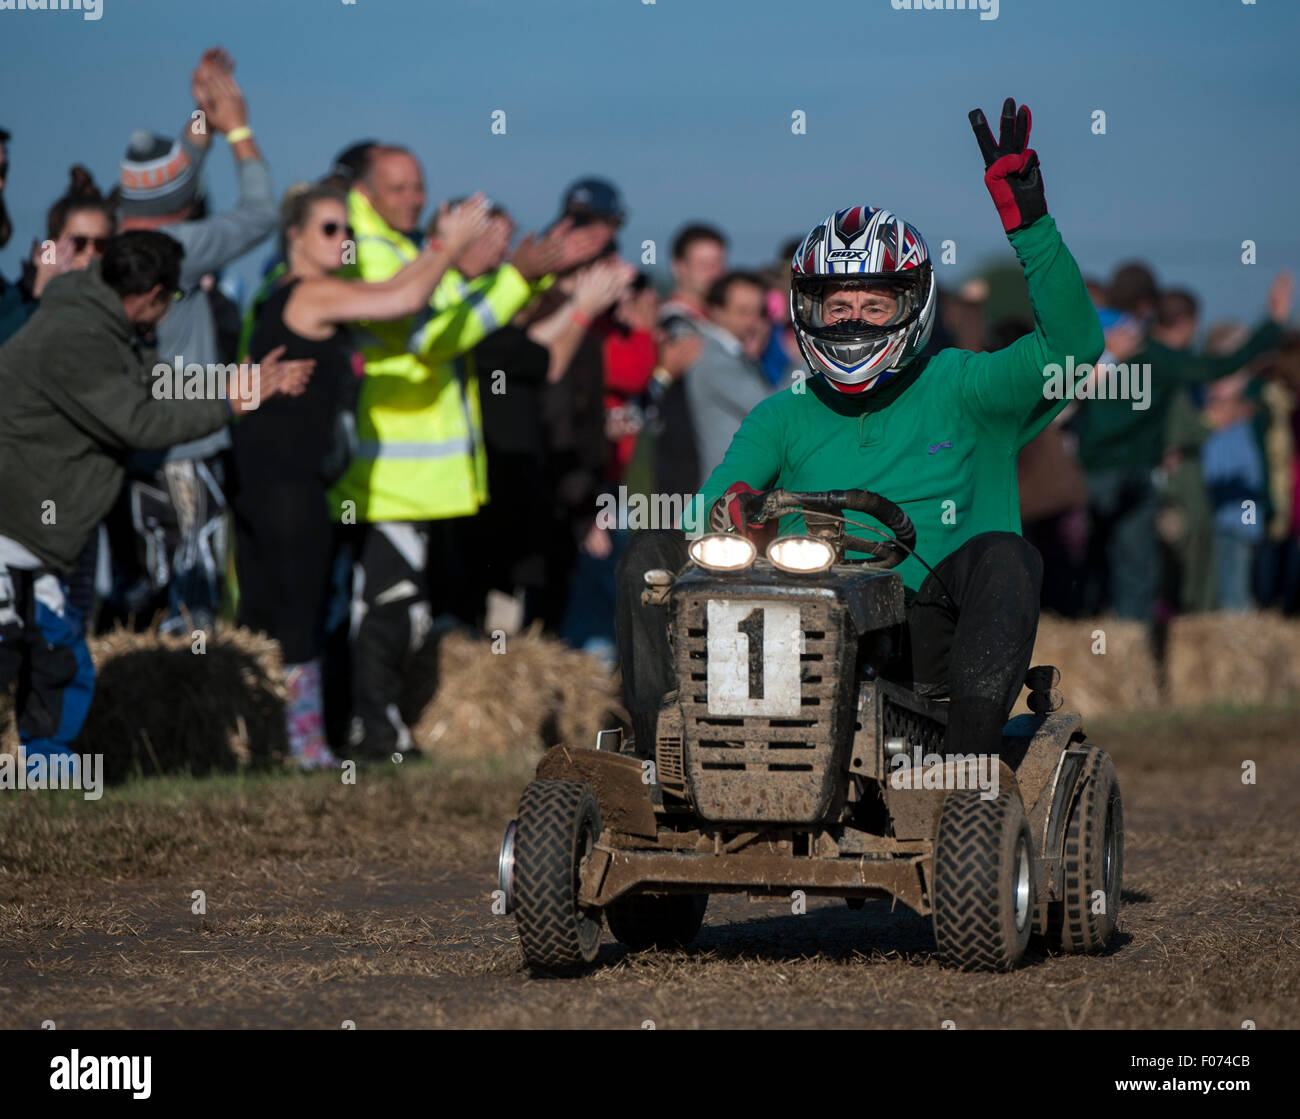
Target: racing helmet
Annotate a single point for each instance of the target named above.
(871, 247)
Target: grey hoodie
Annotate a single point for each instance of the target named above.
(210, 244)
(722, 387)
(76, 393)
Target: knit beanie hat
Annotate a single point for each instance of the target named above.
(159, 176)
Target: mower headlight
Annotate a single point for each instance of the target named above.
(800, 554)
(723, 551)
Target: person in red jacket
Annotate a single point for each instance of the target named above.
(631, 357)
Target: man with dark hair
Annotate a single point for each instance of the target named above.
(136, 264)
(349, 165)
(1133, 290)
(593, 201)
(725, 382)
(699, 258)
(1177, 312)
(78, 399)
(578, 596)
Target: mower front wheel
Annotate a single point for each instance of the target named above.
(558, 825)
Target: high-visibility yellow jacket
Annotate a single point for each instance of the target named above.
(420, 452)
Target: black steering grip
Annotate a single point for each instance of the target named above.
(889, 553)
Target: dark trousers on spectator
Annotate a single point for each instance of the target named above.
(81, 583)
(969, 634)
(283, 550)
(1277, 575)
(168, 539)
(1122, 549)
(404, 574)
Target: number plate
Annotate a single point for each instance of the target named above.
(753, 658)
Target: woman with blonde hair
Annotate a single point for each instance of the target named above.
(288, 452)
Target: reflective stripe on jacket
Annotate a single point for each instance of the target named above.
(419, 428)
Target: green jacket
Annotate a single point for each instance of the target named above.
(941, 439)
(1112, 434)
(76, 399)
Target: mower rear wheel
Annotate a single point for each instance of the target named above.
(1093, 871)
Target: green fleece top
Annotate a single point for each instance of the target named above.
(1115, 435)
(941, 438)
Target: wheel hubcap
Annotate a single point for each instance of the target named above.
(506, 865)
(586, 843)
(1110, 852)
(1022, 883)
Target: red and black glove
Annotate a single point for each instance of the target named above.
(1012, 173)
(735, 510)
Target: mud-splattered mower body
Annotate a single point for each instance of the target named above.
(786, 761)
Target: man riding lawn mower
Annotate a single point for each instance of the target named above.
(785, 689)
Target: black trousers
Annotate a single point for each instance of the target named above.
(404, 575)
(284, 547)
(969, 634)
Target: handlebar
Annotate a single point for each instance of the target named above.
(772, 504)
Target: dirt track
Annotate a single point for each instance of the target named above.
(371, 903)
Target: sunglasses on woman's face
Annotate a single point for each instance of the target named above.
(4, 170)
(80, 243)
(333, 228)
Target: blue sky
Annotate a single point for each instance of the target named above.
(687, 105)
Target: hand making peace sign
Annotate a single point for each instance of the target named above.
(1012, 175)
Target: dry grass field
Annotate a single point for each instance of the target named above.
(371, 903)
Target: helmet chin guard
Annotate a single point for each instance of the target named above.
(869, 248)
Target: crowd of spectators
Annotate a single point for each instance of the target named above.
(443, 404)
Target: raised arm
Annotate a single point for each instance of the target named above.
(1194, 369)
(213, 242)
(328, 299)
(595, 289)
(1010, 383)
(491, 301)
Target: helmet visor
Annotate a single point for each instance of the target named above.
(851, 310)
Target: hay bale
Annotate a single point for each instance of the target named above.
(162, 707)
(1121, 679)
(533, 694)
(1249, 658)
